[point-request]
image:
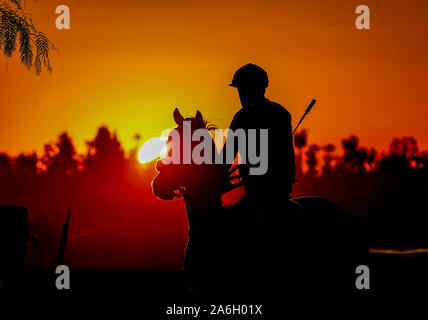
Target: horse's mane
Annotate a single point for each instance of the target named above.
(209, 126)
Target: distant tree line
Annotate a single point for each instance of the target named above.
(387, 190)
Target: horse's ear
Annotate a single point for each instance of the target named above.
(199, 117)
(178, 118)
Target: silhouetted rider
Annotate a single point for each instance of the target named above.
(259, 113)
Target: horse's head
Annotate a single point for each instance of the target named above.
(179, 172)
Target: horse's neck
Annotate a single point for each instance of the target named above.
(202, 203)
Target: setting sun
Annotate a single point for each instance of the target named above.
(152, 149)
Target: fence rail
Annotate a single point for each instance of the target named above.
(398, 252)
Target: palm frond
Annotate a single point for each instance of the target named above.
(43, 48)
(17, 3)
(9, 32)
(17, 30)
(25, 47)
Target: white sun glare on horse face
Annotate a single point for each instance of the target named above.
(152, 149)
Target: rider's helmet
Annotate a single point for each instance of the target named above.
(251, 76)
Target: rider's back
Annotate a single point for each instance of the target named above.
(281, 170)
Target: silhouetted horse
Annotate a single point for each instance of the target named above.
(314, 245)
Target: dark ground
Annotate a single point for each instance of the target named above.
(147, 295)
(388, 272)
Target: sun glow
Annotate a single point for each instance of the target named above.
(152, 149)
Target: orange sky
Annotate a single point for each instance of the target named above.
(127, 64)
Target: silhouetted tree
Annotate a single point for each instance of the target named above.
(355, 157)
(329, 149)
(312, 160)
(61, 159)
(371, 158)
(406, 146)
(27, 165)
(105, 153)
(401, 152)
(5, 166)
(300, 142)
